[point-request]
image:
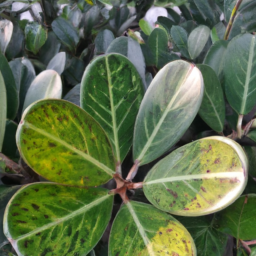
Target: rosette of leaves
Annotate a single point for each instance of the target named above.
(80, 149)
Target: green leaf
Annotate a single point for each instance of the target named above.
(7, 250)
(68, 147)
(5, 195)
(6, 29)
(103, 40)
(253, 252)
(167, 110)
(67, 34)
(46, 85)
(52, 219)
(252, 135)
(180, 37)
(3, 110)
(230, 4)
(9, 145)
(240, 78)
(111, 92)
(49, 49)
(24, 73)
(130, 49)
(215, 57)
(57, 63)
(239, 219)
(199, 178)
(74, 95)
(197, 40)
(35, 36)
(158, 45)
(141, 229)
(212, 109)
(218, 32)
(11, 90)
(209, 241)
(145, 27)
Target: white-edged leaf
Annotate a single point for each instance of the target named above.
(58, 63)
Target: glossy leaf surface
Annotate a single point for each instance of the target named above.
(145, 27)
(46, 85)
(103, 40)
(52, 219)
(215, 57)
(212, 109)
(180, 38)
(199, 178)
(141, 230)
(168, 108)
(239, 73)
(6, 29)
(239, 219)
(74, 95)
(58, 62)
(35, 36)
(11, 90)
(197, 40)
(68, 147)
(209, 241)
(111, 92)
(3, 110)
(65, 31)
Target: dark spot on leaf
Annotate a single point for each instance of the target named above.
(186, 209)
(174, 194)
(203, 189)
(36, 207)
(160, 233)
(59, 118)
(169, 230)
(217, 161)
(26, 243)
(46, 216)
(15, 214)
(38, 234)
(82, 241)
(16, 204)
(21, 221)
(208, 171)
(59, 172)
(51, 145)
(24, 209)
(36, 189)
(24, 141)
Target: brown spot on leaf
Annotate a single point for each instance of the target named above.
(46, 216)
(174, 194)
(186, 209)
(36, 207)
(51, 145)
(21, 221)
(217, 161)
(15, 214)
(82, 240)
(24, 209)
(203, 189)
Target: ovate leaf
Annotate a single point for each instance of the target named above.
(145, 27)
(197, 40)
(168, 108)
(212, 109)
(141, 229)
(239, 73)
(62, 143)
(103, 40)
(180, 37)
(3, 110)
(111, 92)
(199, 178)
(52, 219)
(239, 219)
(46, 85)
(74, 95)
(35, 36)
(11, 90)
(215, 57)
(58, 63)
(209, 241)
(6, 29)
(65, 31)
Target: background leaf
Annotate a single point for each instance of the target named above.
(197, 40)
(74, 95)
(74, 219)
(46, 85)
(11, 90)
(240, 79)
(212, 109)
(199, 178)
(111, 92)
(140, 229)
(3, 110)
(234, 219)
(103, 40)
(145, 27)
(6, 29)
(69, 147)
(168, 108)
(58, 63)
(35, 36)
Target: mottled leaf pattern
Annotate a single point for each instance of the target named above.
(168, 108)
(199, 178)
(141, 230)
(239, 73)
(50, 219)
(111, 92)
(62, 143)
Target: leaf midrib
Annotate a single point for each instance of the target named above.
(65, 144)
(67, 217)
(198, 176)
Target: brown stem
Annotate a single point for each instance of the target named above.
(134, 185)
(246, 247)
(231, 20)
(133, 171)
(16, 168)
(250, 242)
